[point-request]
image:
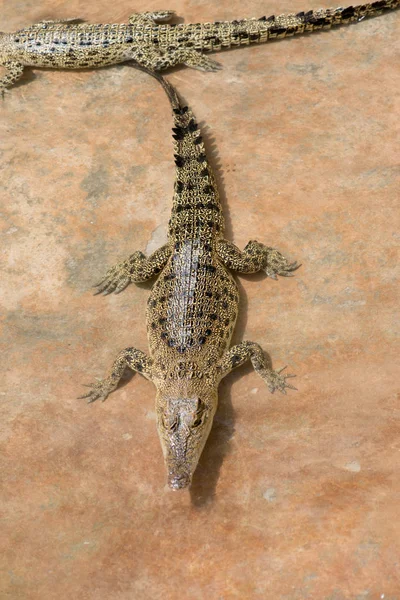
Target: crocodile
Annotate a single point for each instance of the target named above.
(150, 41)
(192, 307)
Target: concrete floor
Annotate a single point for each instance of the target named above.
(296, 496)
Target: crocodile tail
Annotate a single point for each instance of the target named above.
(224, 34)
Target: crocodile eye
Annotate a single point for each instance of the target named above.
(198, 421)
(170, 424)
(199, 417)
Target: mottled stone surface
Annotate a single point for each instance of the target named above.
(296, 496)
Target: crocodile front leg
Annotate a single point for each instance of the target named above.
(58, 21)
(255, 257)
(130, 357)
(14, 72)
(135, 269)
(240, 353)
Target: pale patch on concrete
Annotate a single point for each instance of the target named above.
(353, 466)
(270, 494)
(150, 415)
(158, 239)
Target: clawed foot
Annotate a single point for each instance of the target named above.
(279, 265)
(100, 390)
(206, 64)
(119, 277)
(276, 381)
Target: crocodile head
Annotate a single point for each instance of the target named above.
(184, 423)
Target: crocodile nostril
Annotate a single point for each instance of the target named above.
(179, 482)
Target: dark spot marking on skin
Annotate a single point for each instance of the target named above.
(347, 13)
(277, 30)
(208, 189)
(179, 133)
(192, 126)
(153, 325)
(171, 343)
(214, 317)
(202, 157)
(209, 294)
(164, 335)
(198, 140)
(235, 360)
(210, 268)
(202, 340)
(162, 320)
(207, 247)
(179, 160)
(181, 349)
(163, 299)
(138, 367)
(226, 322)
(204, 172)
(210, 223)
(225, 304)
(208, 332)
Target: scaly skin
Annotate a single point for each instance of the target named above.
(192, 308)
(67, 45)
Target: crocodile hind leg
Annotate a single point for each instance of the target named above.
(240, 353)
(255, 257)
(157, 60)
(14, 72)
(135, 269)
(157, 16)
(130, 357)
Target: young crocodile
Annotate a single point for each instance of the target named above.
(65, 44)
(192, 308)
